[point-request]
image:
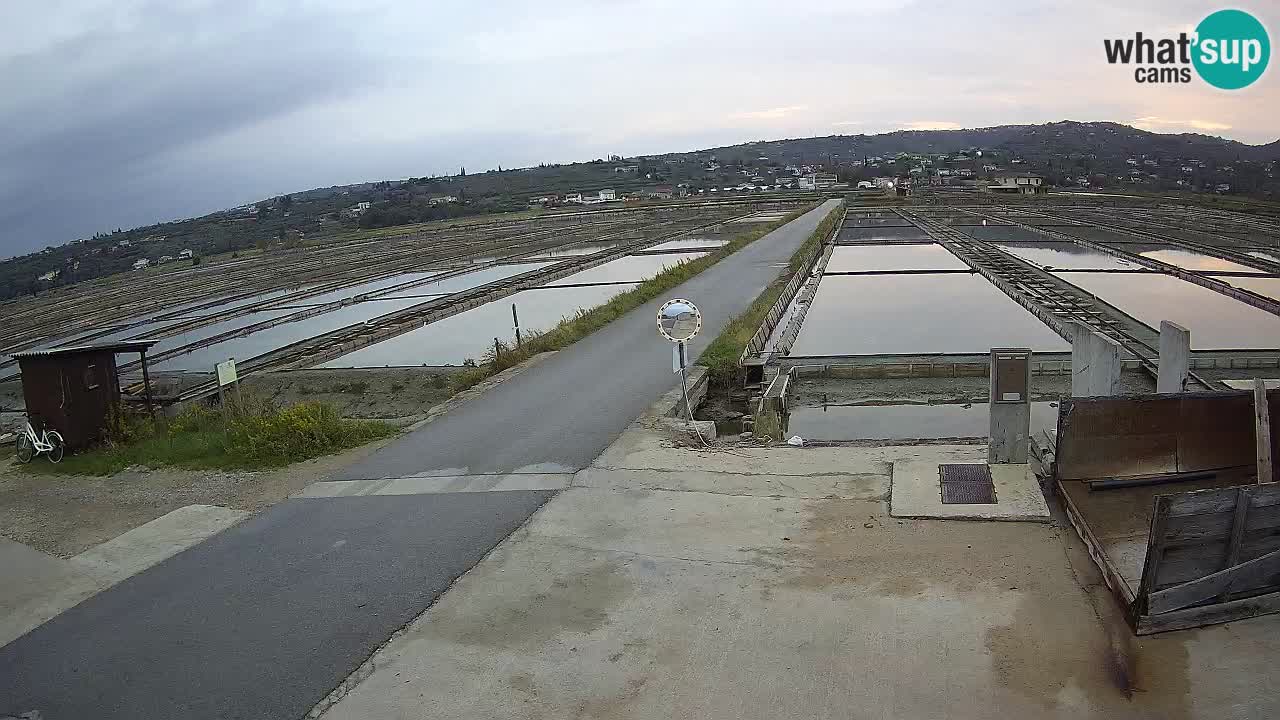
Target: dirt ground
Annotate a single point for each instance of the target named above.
(66, 515)
(382, 393)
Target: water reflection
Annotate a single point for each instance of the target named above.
(926, 313)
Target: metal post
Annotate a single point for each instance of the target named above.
(684, 384)
(146, 384)
(516, 319)
(497, 347)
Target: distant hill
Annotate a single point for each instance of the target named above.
(1103, 154)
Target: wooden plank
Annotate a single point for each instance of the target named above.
(1115, 581)
(1214, 430)
(1197, 502)
(1155, 549)
(1184, 563)
(1246, 573)
(1262, 429)
(1243, 500)
(1210, 527)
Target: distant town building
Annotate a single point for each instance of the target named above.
(186, 254)
(49, 276)
(608, 195)
(141, 264)
(1019, 183)
(443, 200)
(164, 259)
(575, 198)
(823, 180)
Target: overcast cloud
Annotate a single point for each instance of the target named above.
(117, 113)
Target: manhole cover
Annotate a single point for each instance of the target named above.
(967, 485)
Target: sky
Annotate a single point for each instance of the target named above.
(119, 113)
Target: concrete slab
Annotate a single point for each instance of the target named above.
(495, 482)
(852, 486)
(624, 603)
(35, 587)
(146, 545)
(916, 493)
(219, 631)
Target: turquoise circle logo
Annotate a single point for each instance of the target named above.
(1232, 49)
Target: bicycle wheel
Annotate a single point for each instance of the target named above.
(54, 438)
(26, 450)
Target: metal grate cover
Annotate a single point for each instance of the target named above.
(969, 484)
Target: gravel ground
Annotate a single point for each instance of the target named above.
(66, 515)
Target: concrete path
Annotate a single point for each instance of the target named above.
(263, 620)
(35, 586)
(763, 583)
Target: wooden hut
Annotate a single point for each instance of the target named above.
(76, 390)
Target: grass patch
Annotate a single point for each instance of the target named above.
(573, 329)
(721, 356)
(248, 435)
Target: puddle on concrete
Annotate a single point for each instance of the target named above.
(1215, 320)
(924, 256)
(1066, 256)
(915, 314)
(904, 422)
(1264, 286)
(626, 269)
(470, 334)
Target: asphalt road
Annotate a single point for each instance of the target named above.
(559, 415)
(261, 620)
(264, 619)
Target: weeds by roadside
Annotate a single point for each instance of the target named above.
(721, 356)
(247, 434)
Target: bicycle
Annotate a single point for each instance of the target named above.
(48, 441)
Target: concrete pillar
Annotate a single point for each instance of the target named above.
(1175, 358)
(1095, 363)
(1010, 406)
